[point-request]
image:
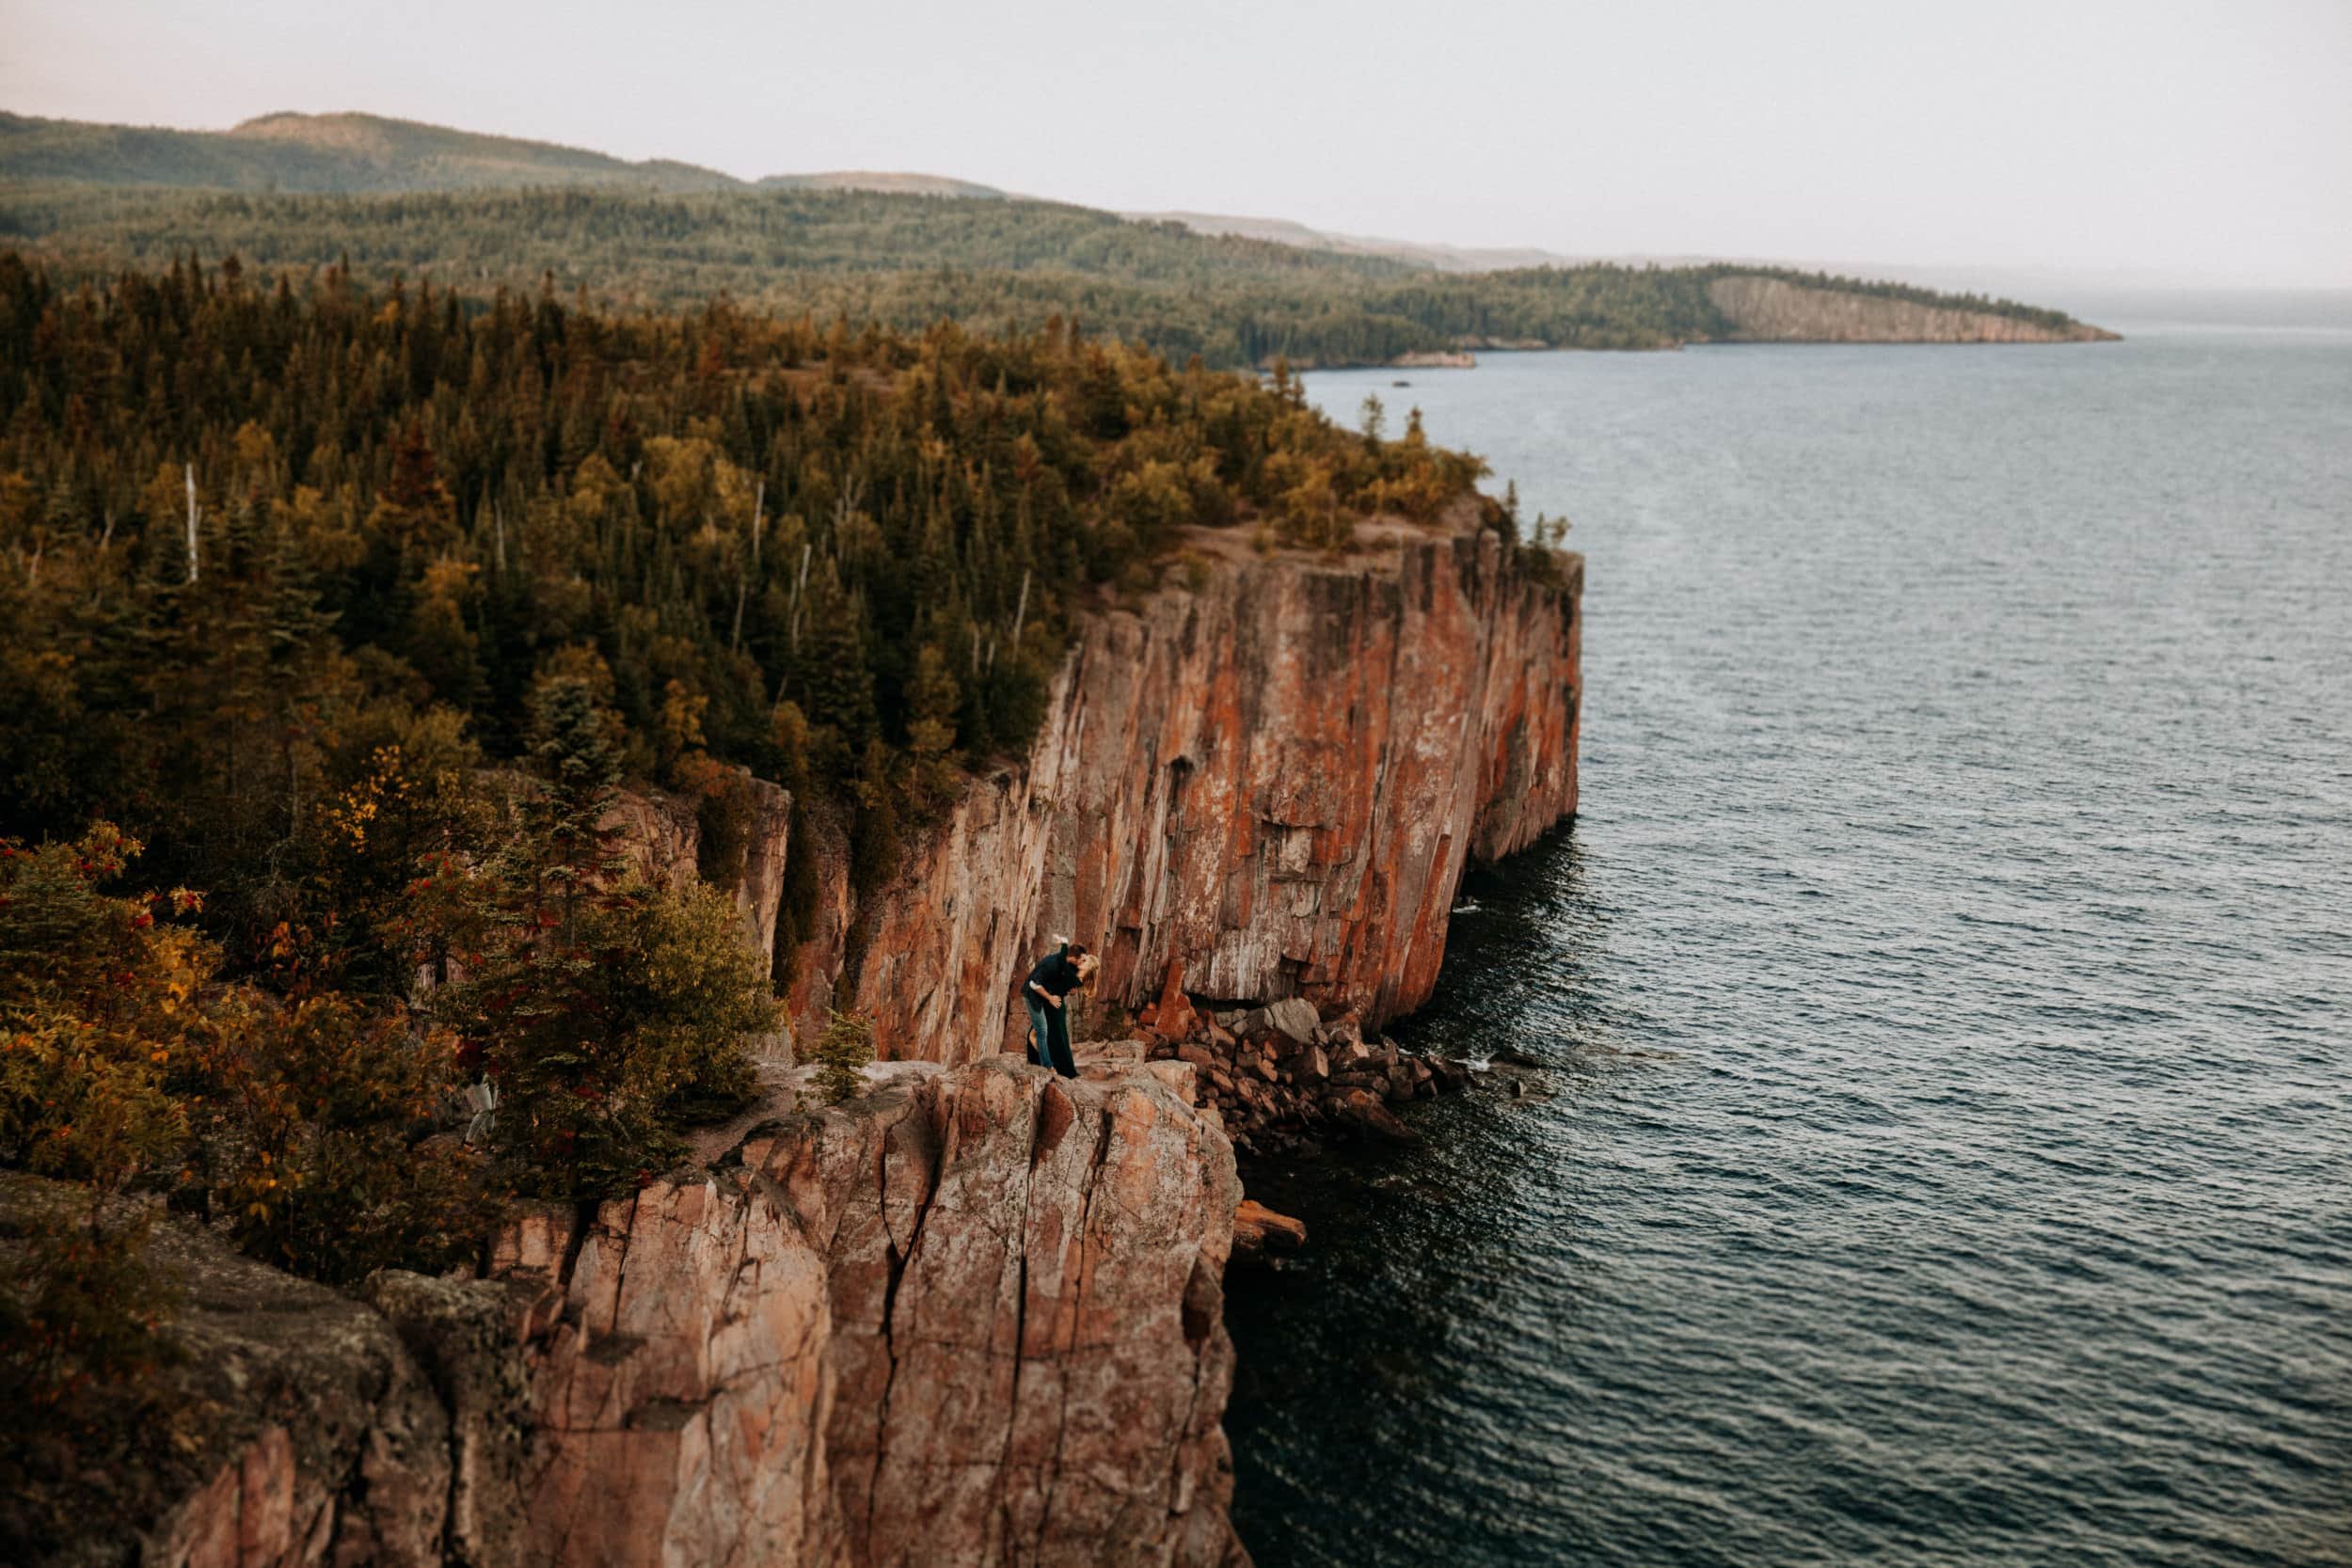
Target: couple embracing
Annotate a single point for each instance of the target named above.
(1046, 991)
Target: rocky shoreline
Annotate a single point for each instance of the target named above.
(1284, 1082)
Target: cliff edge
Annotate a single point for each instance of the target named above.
(1266, 782)
(972, 1318)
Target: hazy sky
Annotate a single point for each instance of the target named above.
(2163, 136)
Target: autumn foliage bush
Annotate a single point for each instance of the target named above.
(324, 1130)
(96, 1002)
(129, 1068)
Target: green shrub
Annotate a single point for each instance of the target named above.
(606, 1012)
(844, 1047)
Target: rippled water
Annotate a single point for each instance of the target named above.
(1944, 1147)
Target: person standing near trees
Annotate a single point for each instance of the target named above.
(1047, 994)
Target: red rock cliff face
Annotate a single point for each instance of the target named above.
(973, 1319)
(661, 838)
(1274, 782)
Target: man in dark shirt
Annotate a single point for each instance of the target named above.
(1048, 991)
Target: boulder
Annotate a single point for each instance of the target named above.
(1290, 1023)
(1358, 1110)
(1180, 1077)
(1257, 1231)
(1294, 1016)
(1173, 1011)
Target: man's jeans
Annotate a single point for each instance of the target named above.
(1052, 1026)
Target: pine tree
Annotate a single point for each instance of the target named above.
(933, 700)
(839, 1053)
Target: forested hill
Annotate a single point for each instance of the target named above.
(346, 154)
(341, 612)
(904, 261)
(393, 199)
(320, 154)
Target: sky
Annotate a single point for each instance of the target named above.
(2172, 140)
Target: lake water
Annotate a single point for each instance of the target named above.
(1944, 1153)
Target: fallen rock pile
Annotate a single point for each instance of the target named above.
(1284, 1079)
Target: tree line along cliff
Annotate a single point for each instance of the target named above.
(848, 561)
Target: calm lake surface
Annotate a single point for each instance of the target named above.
(1944, 1153)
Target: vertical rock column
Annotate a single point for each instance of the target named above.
(973, 1319)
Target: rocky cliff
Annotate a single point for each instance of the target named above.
(1264, 784)
(974, 1318)
(1772, 309)
(661, 836)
